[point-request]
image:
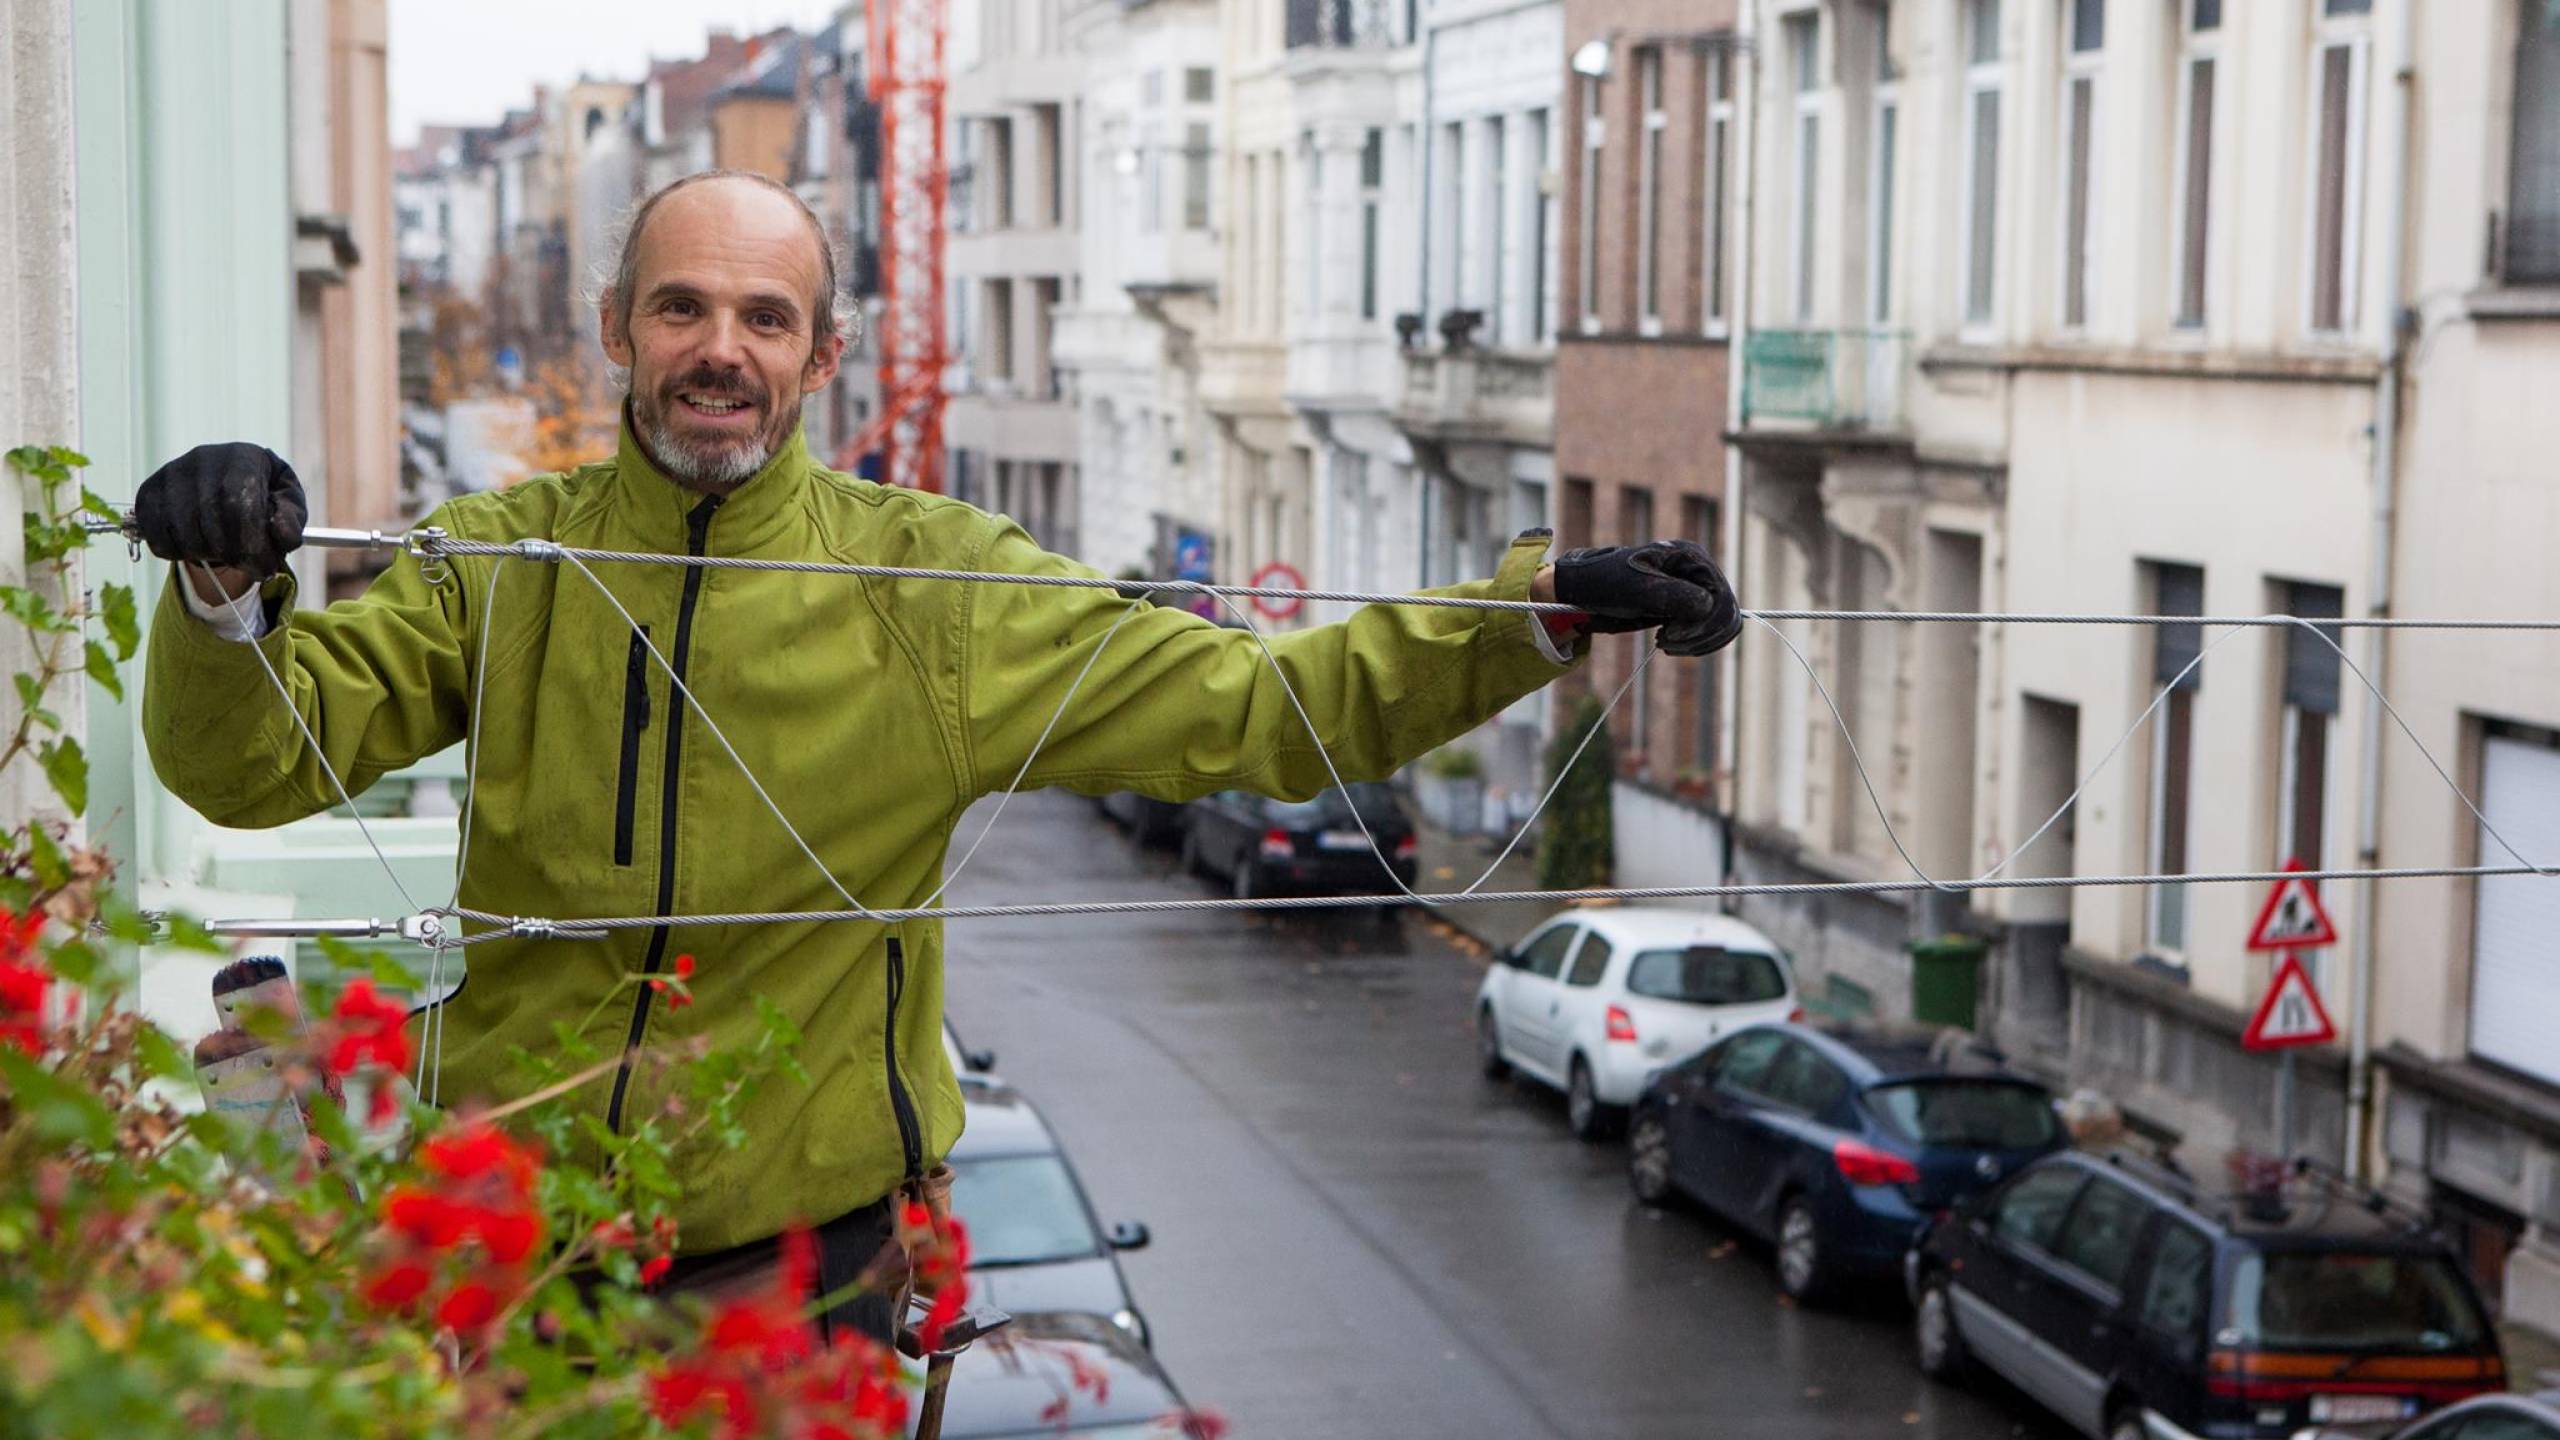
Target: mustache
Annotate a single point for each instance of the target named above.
(727, 384)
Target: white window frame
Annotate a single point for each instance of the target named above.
(1882, 161)
(1373, 179)
(2161, 898)
(1453, 225)
(1311, 262)
(2355, 33)
(1541, 237)
(1804, 208)
(1595, 139)
(2195, 47)
(1497, 211)
(2078, 67)
(1981, 77)
(1716, 197)
(1649, 145)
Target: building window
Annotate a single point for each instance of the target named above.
(1000, 330)
(1311, 300)
(1196, 154)
(2176, 590)
(1982, 158)
(1373, 179)
(2081, 63)
(1497, 214)
(1649, 189)
(2337, 161)
(1200, 85)
(1718, 181)
(2533, 211)
(1884, 146)
(1804, 64)
(1000, 173)
(2311, 670)
(2515, 970)
(1453, 224)
(2198, 71)
(1698, 523)
(1542, 227)
(1594, 141)
(1048, 137)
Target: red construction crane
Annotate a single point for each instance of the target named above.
(906, 78)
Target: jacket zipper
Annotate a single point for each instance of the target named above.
(910, 1132)
(697, 524)
(635, 718)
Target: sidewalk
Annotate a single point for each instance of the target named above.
(2533, 1358)
(1450, 862)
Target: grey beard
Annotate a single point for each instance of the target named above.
(720, 469)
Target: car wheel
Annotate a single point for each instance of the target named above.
(1248, 880)
(1801, 1271)
(1583, 1113)
(1934, 1337)
(1489, 1045)
(1649, 1159)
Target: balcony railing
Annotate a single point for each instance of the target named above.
(1834, 379)
(1339, 25)
(1486, 392)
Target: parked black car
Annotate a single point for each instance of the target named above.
(1264, 846)
(1835, 1144)
(1024, 1381)
(2139, 1307)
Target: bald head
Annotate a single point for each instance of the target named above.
(743, 188)
(723, 309)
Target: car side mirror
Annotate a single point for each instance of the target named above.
(978, 1061)
(1130, 1235)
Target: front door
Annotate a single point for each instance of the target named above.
(1998, 1294)
(1530, 1000)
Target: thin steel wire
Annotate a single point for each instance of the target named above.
(1595, 895)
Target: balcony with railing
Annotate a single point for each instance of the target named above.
(1468, 394)
(1824, 380)
(1340, 25)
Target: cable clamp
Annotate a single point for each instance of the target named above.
(427, 930)
(427, 544)
(543, 550)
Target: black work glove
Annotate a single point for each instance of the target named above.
(235, 505)
(1669, 583)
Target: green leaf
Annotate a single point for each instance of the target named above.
(69, 458)
(93, 503)
(61, 1110)
(160, 1054)
(44, 854)
(124, 626)
(68, 768)
(29, 608)
(389, 971)
(102, 668)
(74, 961)
(31, 695)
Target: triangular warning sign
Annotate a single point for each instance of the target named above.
(2291, 1014)
(2294, 918)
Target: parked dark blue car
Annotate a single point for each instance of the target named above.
(1835, 1145)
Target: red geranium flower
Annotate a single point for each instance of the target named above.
(369, 1028)
(24, 982)
(398, 1285)
(472, 1304)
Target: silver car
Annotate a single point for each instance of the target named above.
(1035, 1244)
(2488, 1417)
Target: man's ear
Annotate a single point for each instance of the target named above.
(824, 358)
(615, 335)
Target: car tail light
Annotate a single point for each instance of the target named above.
(2253, 1376)
(1276, 845)
(1866, 1165)
(1622, 1026)
(1407, 847)
(1796, 1016)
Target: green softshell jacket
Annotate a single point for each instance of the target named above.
(874, 711)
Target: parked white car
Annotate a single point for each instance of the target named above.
(1597, 999)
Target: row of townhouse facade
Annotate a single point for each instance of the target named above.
(2154, 307)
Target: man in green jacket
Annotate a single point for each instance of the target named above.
(875, 711)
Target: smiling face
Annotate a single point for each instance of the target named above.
(721, 339)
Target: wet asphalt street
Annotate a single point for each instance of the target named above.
(1355, 1234)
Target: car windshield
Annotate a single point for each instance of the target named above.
(1977, 1114)
(1377, 804)
(2338, 1299)
(1706, 975)
(1021, 1210)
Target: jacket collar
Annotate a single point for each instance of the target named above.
(768, 502)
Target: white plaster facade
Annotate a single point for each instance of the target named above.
(1147, 260)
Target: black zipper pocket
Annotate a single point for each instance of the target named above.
(635, 718)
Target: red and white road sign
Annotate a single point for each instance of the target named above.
(2294, 918)
(1278, 575)
(2291, 1014)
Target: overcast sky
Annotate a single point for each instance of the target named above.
(470, 61)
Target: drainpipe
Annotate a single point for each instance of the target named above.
(2386, 478)
(1746, 130)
